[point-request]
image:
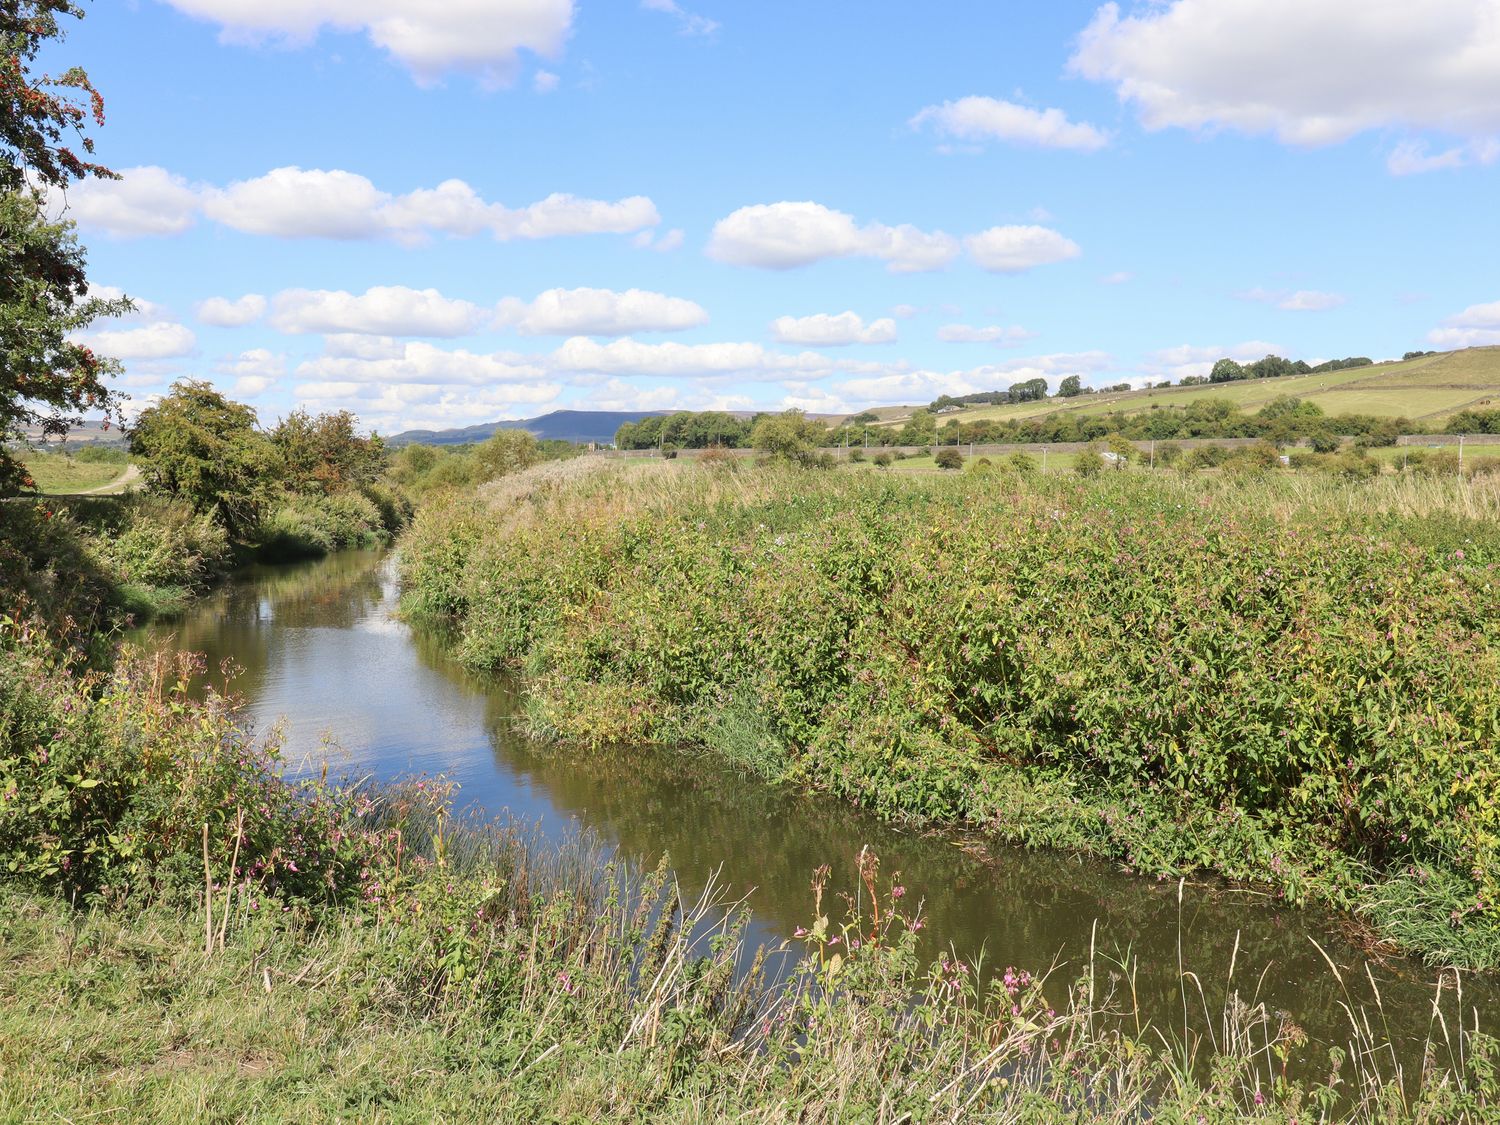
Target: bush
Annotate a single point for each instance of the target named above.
(856, 454)
(312, 525)
(883, 460)
(164, 542)
(1023, 463)
(949, 458)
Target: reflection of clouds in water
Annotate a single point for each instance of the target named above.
(385, 624)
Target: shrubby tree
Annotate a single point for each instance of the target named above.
(504, 452)
(325, 453)
(788, 436)
(949, 458)
(199, 446)
(1226, 371)
(1070, 387)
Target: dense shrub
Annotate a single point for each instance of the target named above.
(1303, 684)
(313, 524)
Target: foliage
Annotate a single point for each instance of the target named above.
(44, 296)
(1227, 370)
(949, 458)
(1299, 681)
(199, 446)
(788, 436)
(325, 453)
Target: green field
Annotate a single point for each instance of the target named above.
(1429, 388)
(61, 474)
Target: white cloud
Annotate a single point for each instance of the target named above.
(1004, 335)
(1302, 300)
(673, 360)
(479, 37)
(385, 310)
(786, 235)
(144, 201)
(988, 119)
(825, 330)
(1476, 326)
(600, 312)
(161, 340)
(1120, 277)
(144, 310)
(663, 244)
(224, 313)
(544, 81)
(420, 363)
(254, 371)
(1191, 359)
(905, 312)
(294, 202)
(1016, 248)
(1306, 73)
(687, 22)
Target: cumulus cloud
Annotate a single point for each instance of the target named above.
(1306, 73)
(224, 313)
(294, 202)
(1476, 326)
(1301, 300)
(484, 38)
(663, 243)
(161, 340)
(1193, 359)
(385, 310)
(785, 235)
(417, 362)
(144, 310)
(688, 23)
(672, 360)
(825, 330)
(144, 201)
(600, 312)
(254, 372)
(544, 81)
(1004, 335)
(1014, 249)
(989, 119)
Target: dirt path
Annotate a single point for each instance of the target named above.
(120, 484)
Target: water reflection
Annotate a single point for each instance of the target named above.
(320, 651)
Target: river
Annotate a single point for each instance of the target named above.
(319, 651)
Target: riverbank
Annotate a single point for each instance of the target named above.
(188, 934)
(1278, 679)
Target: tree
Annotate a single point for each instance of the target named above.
(325, 453)
(1070, 387)
(788, 436)
(949, 458)
(503, 452)
(200, 446)
(43, 290)
(1226, 371)
(1029, 391)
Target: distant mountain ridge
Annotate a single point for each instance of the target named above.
(562, 425)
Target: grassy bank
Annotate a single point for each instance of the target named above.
(187, 935)
(1283, 678)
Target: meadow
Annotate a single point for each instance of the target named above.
(1284, 678)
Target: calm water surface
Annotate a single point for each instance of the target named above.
(317, 650)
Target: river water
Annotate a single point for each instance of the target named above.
(318, 650)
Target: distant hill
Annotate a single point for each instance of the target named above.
(562, 425)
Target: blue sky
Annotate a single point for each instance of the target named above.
(440, 212)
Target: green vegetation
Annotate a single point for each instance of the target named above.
(45, 377)
(71, 471)
(189, 934)
(1166, 669)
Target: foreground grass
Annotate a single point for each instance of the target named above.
(1283, 678)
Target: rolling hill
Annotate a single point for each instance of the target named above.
(1428, 389)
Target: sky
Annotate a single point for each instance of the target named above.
(442, 212)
